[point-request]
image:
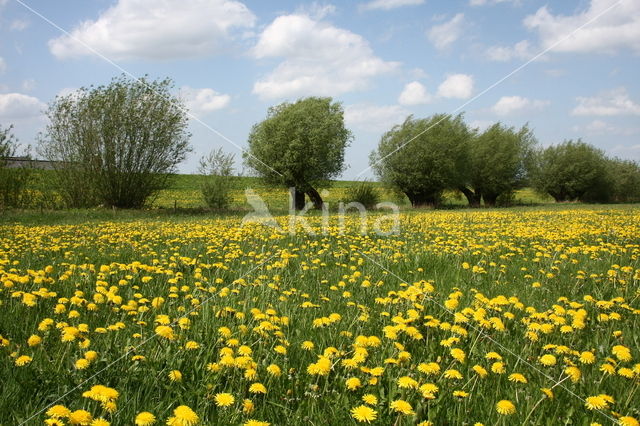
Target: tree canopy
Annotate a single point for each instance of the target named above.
(116, 144)
(497, 163)
(422, 157)
(300, 145)
(572, 170)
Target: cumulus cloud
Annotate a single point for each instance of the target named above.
(458, 86)
(617, 28)
(599, 127)
(414, 93)
(388, 4)
(481, 125)
(17, 106)
(156, 29)
(203, 101)
(608, 103)
(508, 105)
(374, 117)
(29, 84)
(521, 50)
(319, 59)
(19, 25)
(444, 35)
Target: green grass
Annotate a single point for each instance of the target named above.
(524, 265)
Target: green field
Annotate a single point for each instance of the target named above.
(497, 316)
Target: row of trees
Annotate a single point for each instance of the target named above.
(118, 144)
(423, 157)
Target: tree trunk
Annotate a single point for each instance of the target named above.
(297, 198)
(315, 198)
(489, 199)
(472, 197)
(429, 200)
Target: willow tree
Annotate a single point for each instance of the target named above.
(423, 157)
(300, 145)
(118, 144)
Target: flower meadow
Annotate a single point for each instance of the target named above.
(508, 317)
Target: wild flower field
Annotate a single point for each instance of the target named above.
(507, 317)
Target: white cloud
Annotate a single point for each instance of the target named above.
(28, 84)
(388, 4)
(19, 25)
(508, 105)
(521, 50)
(203, 101)
(615, 29)
(67, 91)
(414, 93)
(17, 106)
(316, 10)
(3, 65)
(374, 117)
(481, 125)
(607, 103)
(444, 35)
(458, 86)
(156, 29)
(319, 59)
(599, 127)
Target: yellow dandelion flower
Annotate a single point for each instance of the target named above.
(274, 370)
(587, 357)
(370, 399)
(224, 399)
(596, 403)
(458, 355)
(517, 378)
(547, 360)
(362, 413)
(402, 406)
(498, 367)
(23, 360)
(453, 374)
(628, 421)
(58, 412)
(460, 394)
(429, 390)
(145, 419)
(82, 364)
(34, 340)
(257, 388)
(621, 352)
(505, 407)
(548, 392)
(80, 417)
(574, 373)
(407, 382)
(175, 376)
(183, 416)
(165, 331)
(247, 406)
(353, 383)
(252, 422)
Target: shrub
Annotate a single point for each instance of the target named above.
(116, 145)
(13, 180)
(217, 168)
(364, 193)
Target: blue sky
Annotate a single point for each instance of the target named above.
(383, 59)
